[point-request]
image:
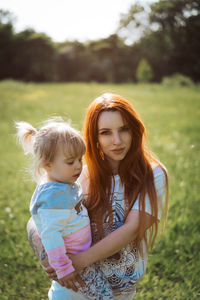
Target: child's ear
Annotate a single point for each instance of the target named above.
(46, 166)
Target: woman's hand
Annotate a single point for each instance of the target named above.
(69, 281)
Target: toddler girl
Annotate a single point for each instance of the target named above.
(56, 205)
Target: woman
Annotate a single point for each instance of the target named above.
(125, 189)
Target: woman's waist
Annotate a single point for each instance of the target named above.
(124, 269)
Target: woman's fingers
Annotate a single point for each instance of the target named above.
(61, 283)
(80, 280)
(74, 288)
(70, 285)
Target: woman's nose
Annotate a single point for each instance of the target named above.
(116, 138)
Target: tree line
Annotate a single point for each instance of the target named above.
(169, 43)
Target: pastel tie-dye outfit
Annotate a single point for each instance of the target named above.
(64, 227)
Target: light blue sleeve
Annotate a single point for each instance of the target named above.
(160, 185)
(53, 222)
(52, 211)
(52, 196)
(55, 214)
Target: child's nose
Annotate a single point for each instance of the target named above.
(78, 165)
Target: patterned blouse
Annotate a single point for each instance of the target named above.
(124, 269)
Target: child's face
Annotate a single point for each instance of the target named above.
(64, 169)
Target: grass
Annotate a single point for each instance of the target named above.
(171, 116)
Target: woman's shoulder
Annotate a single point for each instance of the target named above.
(159, 169)
(160, 174)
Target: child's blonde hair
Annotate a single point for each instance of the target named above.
(43, 144)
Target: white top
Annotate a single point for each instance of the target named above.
(125, 268)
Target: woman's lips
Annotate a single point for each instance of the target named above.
(118, 151)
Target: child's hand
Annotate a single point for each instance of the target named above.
(69, 281)
(51, 273)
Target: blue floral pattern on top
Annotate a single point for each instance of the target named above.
(124, 269)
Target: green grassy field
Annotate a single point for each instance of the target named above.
(172, 118)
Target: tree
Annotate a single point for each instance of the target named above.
(169, 38)
(35, 57)
(6, 43)
(144, 71)
(27, 55)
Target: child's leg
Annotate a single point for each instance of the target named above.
(58, 292)
(97, 287)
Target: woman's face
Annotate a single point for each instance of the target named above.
(114, 137)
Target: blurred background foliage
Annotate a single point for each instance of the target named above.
(168, 43)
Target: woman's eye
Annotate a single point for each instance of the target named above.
(106, 132)
(69, 162)
(125, 128)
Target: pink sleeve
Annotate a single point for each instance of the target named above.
(59, 260)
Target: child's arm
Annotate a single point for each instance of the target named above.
(53, 211)
(37, 246)
(52, 221)
(41, 254)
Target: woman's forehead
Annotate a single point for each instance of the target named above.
(109, 118)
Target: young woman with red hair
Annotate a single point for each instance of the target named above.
(125, 190)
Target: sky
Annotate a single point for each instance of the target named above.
(70, 20)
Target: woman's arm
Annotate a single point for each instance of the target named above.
(108, 246)
(112, 243)
(36, 244)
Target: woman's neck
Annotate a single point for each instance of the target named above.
(115, 172)
(114, 167)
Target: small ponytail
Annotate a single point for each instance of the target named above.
(43, 144)
(26, 133)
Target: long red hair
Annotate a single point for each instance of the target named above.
(135, 170)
